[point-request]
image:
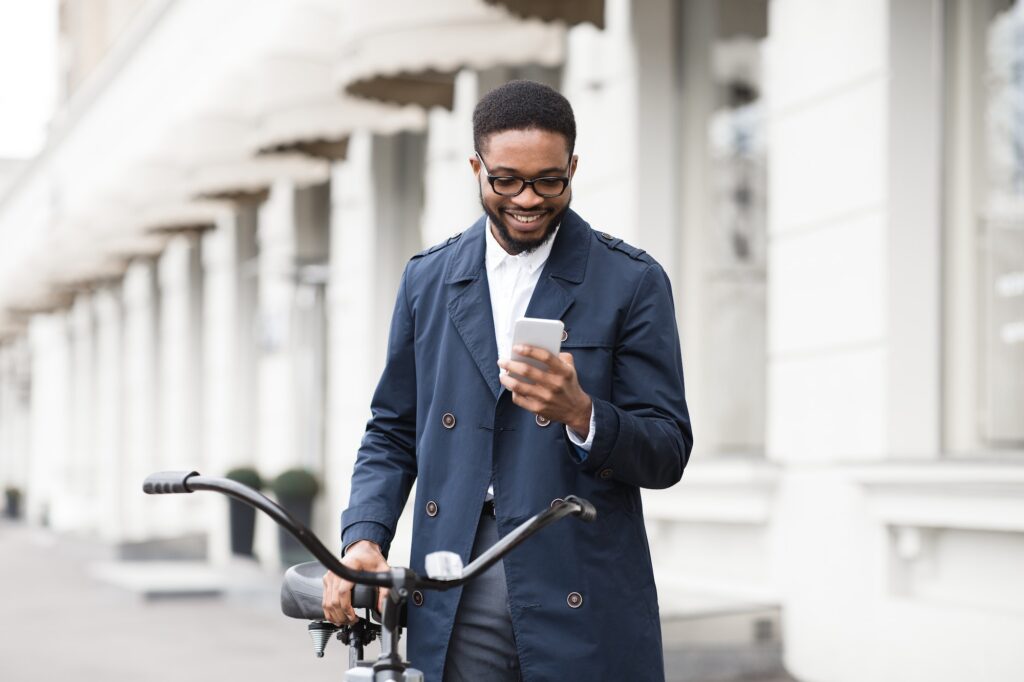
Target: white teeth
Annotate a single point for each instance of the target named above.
(525, 218)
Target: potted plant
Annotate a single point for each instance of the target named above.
(12, 502)
(242, 516)
(295, 490)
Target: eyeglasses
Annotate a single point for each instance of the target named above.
(513, 186)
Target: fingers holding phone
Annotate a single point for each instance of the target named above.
(543, 380)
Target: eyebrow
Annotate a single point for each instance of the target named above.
(546, 172)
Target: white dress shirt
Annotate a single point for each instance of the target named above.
(511, 280)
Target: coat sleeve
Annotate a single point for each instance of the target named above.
(385, 466)
(643, 433)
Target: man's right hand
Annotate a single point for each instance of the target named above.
(361, 556)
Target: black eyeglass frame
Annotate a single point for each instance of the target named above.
(491, 179)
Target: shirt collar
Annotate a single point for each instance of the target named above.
(495, 256)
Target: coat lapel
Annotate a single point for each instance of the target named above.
(469, 303)
(566, 265)
(469, 297)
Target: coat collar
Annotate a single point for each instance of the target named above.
(568, 259)
(469, 302)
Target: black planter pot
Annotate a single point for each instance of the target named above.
(243, 526)
(292, 552)
(12, 504)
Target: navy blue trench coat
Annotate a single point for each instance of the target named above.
(581, 596)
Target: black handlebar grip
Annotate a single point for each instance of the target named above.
(587, 511)
(164, 482)
(364, 597)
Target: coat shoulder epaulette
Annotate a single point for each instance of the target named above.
(616, 244)
(438, 247)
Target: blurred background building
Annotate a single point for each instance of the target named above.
(197, 272)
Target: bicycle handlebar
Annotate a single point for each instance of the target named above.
(169, 482)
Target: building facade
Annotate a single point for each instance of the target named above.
(198, 273)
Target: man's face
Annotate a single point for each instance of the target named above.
(524, 222)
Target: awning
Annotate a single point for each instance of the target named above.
(214, 149)
(409, 52)
(301, 110)
(570, 11)
(295, 104)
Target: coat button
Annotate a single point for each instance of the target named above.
(605, 474)
(431, 508)
(606, 235)
(565, 336)
(448, 420)
(542, 421)
(574, 600)
(417, 598)
(557, 501)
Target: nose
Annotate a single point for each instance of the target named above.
(528, 198)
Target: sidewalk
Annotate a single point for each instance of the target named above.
(61, 620)
(58, 623)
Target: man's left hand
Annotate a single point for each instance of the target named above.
(555, 392)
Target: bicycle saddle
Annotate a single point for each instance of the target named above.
(302, 591)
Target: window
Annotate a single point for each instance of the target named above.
(984, 243)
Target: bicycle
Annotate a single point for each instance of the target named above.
(302, 588)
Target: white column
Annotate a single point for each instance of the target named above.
(451, 201)
(180, 358)
(600, 80)
(913, 244)
(375, 225)
(75, 509)
(354, 362)
(141, 310)
(697, 102)
(46, 489)
(276, 290)
(293, 239)
(114, 483)
(15, 392)
(397, 163)
(229, 379)
(828, 218)
(853, 330)
(7, 455)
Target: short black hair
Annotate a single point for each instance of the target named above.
(523, 105)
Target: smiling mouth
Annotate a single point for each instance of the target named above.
(524, 218)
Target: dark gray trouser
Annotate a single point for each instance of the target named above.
(483, 646)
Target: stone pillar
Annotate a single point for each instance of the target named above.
(114, 483)
(75, 509)
(451, 201)
(46, 489)
(15, 401)
(180, 362)
(853, 300)
(600, 79)
(294, 246)
(354, 360)
(229, 376)
(7, 455)
(141, 382)
(375, 228)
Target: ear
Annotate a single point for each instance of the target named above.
(572, 166)
(474, 163)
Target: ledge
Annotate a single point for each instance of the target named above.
(718, 489)
(975, 495)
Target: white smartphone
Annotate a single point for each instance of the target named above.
(540, 333)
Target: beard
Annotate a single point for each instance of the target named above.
(518, 246)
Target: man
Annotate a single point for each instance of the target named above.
(607, 417)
